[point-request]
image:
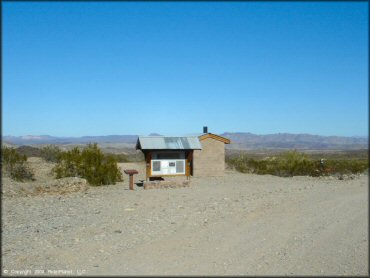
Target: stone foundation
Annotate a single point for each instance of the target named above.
(165, 184)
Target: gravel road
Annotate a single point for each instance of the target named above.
(240, 224)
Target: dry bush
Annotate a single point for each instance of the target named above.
(293, 163)
(15, 165)
(90, 163)
(51, 153)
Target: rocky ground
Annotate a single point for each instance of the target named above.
(240, 224)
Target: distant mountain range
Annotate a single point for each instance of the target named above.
(249, 141)
(239, 140)
(46, 139)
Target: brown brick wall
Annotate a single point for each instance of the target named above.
(210, 161)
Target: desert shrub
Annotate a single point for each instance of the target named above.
(293, 163)
(90, 163)
(50, 153)
(10, 156)
(345, 166)
(15, 165)
(69, 164)
(239, 163)
(21, 172)
(29, 151)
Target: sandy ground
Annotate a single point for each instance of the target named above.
(240, 224)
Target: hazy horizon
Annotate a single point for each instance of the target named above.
(183, 134)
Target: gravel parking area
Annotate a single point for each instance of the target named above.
(240, 224)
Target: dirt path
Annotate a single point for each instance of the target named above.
(237, 225)
(305, 234)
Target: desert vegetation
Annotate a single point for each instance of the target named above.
(293, 163)
(14, 165)
(51, 153)
(29, 151)
(90, 163)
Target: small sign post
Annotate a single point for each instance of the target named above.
(131, 173)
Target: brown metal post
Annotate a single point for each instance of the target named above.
(131, 182)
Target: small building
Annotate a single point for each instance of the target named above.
(210, 160)
(201, 155)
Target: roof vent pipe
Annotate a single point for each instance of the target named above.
(205, 129)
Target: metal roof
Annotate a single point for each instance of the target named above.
(168, 143)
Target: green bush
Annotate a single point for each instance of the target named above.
(345, 166)
(69, 164)
(90, 163)
(29, 151)
(21, 172)
(293, 163)
(15, 165)
(50, 153)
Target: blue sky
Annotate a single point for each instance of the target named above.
(73, 69)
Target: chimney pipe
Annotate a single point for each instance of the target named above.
(205, 129)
